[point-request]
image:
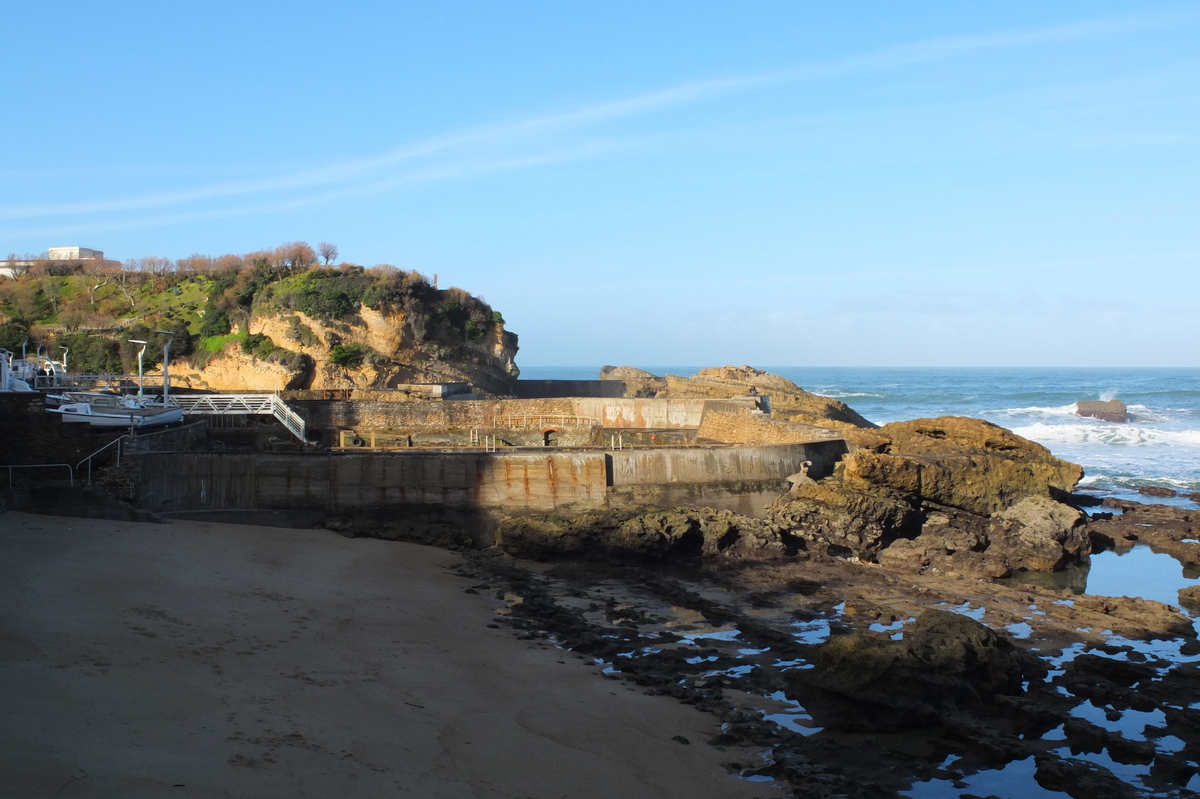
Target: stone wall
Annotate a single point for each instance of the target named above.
(363, 416)
(31, 435)
(366, 415)
(735, 426)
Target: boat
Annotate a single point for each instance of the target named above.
(114, 410)
(9, 379)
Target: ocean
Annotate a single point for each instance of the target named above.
(1159, 446)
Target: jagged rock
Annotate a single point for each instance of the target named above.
(1166, 528)
(1157, 491)
(788, 400)
(651, 533)
(1036, 534)
(638, 382)
(946, 664)
(1039, 534)
(950, 542)
(964, 463)
(1108, 411)
(1189, 597)
(843, 521)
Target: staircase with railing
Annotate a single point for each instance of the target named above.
(242, 405)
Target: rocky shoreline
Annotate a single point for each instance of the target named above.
(855, 680)
(910, 620)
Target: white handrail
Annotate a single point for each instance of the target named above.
(243, 405)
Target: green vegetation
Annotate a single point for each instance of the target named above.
(95, 308)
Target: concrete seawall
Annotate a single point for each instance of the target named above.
(732, 477)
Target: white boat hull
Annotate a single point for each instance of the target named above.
(82, 413)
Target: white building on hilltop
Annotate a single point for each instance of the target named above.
(75, 254)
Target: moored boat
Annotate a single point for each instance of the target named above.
(110, 410)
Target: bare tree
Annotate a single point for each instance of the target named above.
(128, 282)
(328, 251)
(294, 255)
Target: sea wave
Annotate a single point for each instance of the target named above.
(1107, 434)
(835, 394)
(1036, 410)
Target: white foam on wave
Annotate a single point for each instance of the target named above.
(1037, 410)
(1143, 413)
(836, 394)
(1107, 434)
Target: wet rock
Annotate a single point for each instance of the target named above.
(836, 519)
(1108, 411)
(1189, 597)
(947, 664)
(1080, 779)
(654, 533)
(1166, 528)
(1157, 491)
(1153, 618)
(963, 463)
(1039, 534)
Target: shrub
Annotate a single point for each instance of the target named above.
(348, 356)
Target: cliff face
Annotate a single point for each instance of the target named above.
(375, 348)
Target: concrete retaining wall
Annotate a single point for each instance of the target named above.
(736, 477)
(724, 464)
(334, 481)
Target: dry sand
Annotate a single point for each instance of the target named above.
(198, 659)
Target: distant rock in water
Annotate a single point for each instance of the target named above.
(1157, 491)
(1110, 411)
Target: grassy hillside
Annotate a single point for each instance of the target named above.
(95, 309)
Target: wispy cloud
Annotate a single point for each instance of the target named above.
(466, 152)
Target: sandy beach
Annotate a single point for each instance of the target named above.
(200, 659)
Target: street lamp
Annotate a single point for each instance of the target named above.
(141, 353)
(166, 368)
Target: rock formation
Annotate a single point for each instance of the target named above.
(639, 534)
(789, 402)
(947, 664)
(1109, 411)
(638, 382)
(952, 494)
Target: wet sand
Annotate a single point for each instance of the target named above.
(199, 659)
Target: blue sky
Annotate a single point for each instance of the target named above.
(875, 183)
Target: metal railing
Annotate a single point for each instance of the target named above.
(67, 466)
(72, 382)
(243, 405)
(88, 460)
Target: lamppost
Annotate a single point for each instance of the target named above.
(141, 353)
(166, 366)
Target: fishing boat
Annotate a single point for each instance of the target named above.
(114, 410)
